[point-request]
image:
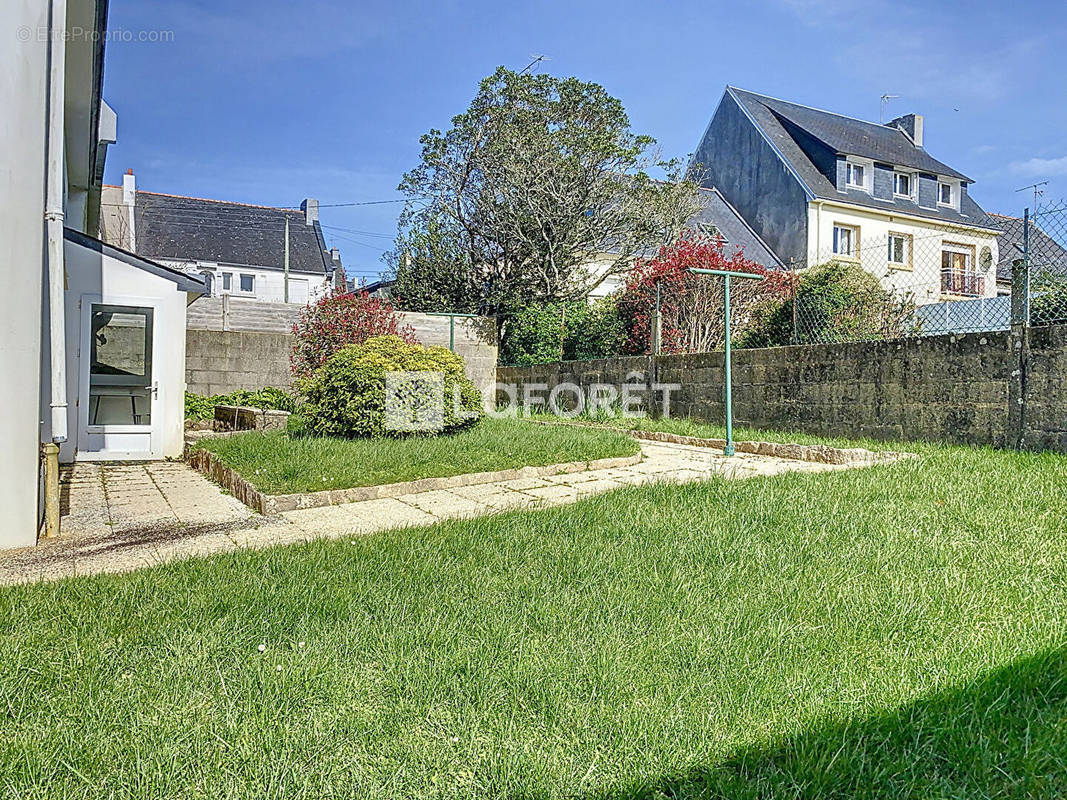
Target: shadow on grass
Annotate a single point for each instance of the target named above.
(1004, 735)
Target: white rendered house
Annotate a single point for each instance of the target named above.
(818, 186)
(239, 248)
(93, 338)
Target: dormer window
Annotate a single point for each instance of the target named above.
(902, 184)
(854, 175)
(945, 194)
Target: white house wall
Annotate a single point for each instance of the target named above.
(269, 283)
(923, 280)
(23, 92)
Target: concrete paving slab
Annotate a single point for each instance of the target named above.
(119, 517)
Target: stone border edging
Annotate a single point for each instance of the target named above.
(210, 465)
(815, 453)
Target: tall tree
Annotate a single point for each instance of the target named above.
(539, 176)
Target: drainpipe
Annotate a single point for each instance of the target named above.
(53, 216)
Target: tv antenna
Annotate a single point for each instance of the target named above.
(1038, 191)
(885, 98)
(537, 59)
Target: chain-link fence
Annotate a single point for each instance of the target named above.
(866, 277)
(869, 279)
(1046, 260)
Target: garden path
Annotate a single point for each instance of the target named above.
(122, 517)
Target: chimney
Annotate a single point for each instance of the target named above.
(129, 187)
(311, 211)
(335, 256)
(911, 124)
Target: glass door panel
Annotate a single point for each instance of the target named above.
(120, 367)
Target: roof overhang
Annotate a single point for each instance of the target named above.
(83, 84)
(186, 283)
(948, 223)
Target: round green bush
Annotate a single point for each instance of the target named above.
(346, 396)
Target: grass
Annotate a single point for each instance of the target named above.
(893, 632)
(689, 426)
(899, 631)
(280, 463)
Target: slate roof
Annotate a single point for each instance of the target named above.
(731, 226)
(1046, 254)
(848, 136)
(174, 227)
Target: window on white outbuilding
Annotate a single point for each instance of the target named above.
(846, 240)
(227, 281)
(248, 283)
(855, 175)
(945, 194)
(902, 184)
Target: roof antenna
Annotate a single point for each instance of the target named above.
(885, 98)
(1038, 191)
(537, 59)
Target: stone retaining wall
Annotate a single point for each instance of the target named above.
(1004, 389)
(210, 464)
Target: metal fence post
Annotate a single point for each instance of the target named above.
(1026, 266)
(729, 449)
(657, 324)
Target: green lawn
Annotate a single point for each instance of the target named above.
(688, 426)
(898, 631)
(278, 463)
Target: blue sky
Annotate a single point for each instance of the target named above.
(270, 102)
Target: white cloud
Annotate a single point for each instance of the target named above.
(1040, 167)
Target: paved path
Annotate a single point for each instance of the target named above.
(121, 517)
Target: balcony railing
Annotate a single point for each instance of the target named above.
(959, 282)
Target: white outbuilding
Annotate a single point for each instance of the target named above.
(125, 353)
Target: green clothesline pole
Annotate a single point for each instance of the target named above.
(727, 275)
(451, 324)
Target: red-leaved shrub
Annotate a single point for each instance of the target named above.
(338, 319)
(691, 305)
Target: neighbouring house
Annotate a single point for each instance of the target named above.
(817, 186)
(1048, 258)
(240, 249)
(716, 218)
(94, 336)
(383, 288)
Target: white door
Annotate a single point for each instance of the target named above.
(118, 410)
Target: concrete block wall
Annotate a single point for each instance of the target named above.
(222, 361)
(1005, 389)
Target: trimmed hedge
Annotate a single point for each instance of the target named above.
(346, 396)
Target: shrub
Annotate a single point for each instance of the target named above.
(570, 331)
(341, 318)
(346, 395)
(835, 302)
(1048, 305)
(198, 406)
(691, 305)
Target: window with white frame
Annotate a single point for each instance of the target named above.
(899, 250)
(855, 175)
(945, 194)
(227, 281)
(846, 241)
(902, 184)
(248, 283)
